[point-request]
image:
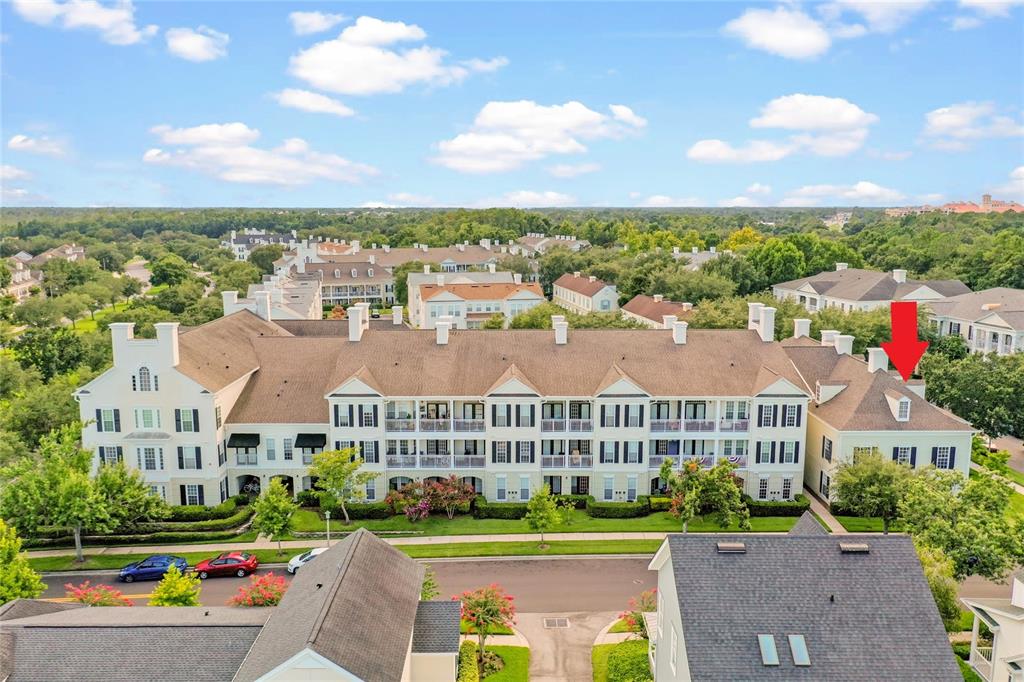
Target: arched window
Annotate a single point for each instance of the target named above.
(145, 379)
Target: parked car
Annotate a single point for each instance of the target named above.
(375, 314)
(228, 563)
(301, 560)
(151, 568)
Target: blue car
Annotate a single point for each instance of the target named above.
(151, 568)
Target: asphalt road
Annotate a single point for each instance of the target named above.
(539, 585)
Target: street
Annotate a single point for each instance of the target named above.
(538, 585)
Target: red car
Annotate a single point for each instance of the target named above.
(229, 563)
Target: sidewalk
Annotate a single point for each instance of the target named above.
(819, 508)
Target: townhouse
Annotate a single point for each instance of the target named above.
(651, 311)
(584, 295)
(241, 245)
(695, 258)
(999, 655)
(24, 280)
(456, 258)
(346, 283)
(856, 289)
(469, 305)
(990, 321)
(533, 244)
(224, 407)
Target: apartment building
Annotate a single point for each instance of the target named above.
(695, 257)
(585, 294)
(210, 411)
(350, 282)
(1002, 658)
(241, 245)
(856, 289)
(24, 280)
(655, 312)
(279, 298)
(534, 244)
(990, 321)
(417, 310)
(69, 252)
(470, 305)
(456, 258)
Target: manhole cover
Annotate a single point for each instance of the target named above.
(555, 623)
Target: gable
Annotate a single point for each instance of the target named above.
(993, 319)
(354, 387)
(922, 293)
(782, 387)
(302, 665)
(806, 288)
(512, 386)
(622, 386)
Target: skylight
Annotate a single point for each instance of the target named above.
(769, 654)
(798, 647)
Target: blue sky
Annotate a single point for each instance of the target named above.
(852, 102)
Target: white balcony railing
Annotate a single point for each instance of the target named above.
(552, 461)
(470, 461)
(475, 425)
(436, 461)
(400, 425)
(435, 425)
(698, 425)
(981, 660)
(581, 425)
(551, 425)
(654, 461)
(580, 462)
(662, 425)
(734, 425)
(246, 460)
(402, 461)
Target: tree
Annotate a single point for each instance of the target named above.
(262, 590)
(647, 602)
(517, 264)
(236, 276)
(449, 494)
(273, 511)
(127, 496)
(263, 257)
(487, 609)
(37, 311)
(73, 304)
(337, 474)
(985, 390)
(938, 571)
(495, 321)
(713, 491)
(777, 260)
(743, 238)
(542, 513)
(400, 275)
(171, 269)
(176, 589)
(17, 579)
(95, 595)
(430, 588)
(871, 485)
(51, 351)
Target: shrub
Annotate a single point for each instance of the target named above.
(468, 671)
(578, 501)
(962, 650)
(368, 510)
(660, 504)
(498, 510)
(195, 512)
(308, 498)
(226, 523)
(619, 510)
(798, 506)
(95, 595)
(262, 590)
(113, 540)
(627, 662)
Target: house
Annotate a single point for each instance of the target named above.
(279, 298)
(655, 311)
(24, 280)
(695, 257)
(417, 310)
(206, 412)
(988, 205)
(585, 294)
(456, 258)
(1001, 659)
(353, 614)
(534, 244)
(801, 606)
(855, 289)
(69, 252)
(470, 305)
(347, 283)
(241, 245)
(839, 219)
(991, 321)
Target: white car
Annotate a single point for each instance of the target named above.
(302, 559)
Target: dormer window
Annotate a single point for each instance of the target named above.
(903, 410)
(355, 273)
(369, 272)
(337, 273)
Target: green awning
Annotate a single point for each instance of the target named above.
(311, 440)
(244, 440)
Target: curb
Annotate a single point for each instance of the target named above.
(110, 571)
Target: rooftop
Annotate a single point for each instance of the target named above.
(481, 291)
(855, 284)
(1006, 303)
(654, 308)
(581, 284)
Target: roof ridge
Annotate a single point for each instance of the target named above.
(356, 538)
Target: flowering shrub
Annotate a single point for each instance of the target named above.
(486, 609)
(262, 590)
(634, 615)
(418, 510)
(96, 595)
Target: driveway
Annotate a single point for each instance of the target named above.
(562, 653)
(1015, 446)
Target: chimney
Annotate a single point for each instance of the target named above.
(396, 314)
(916, 386)
(667, 321)
(229, 299)
(295, 234)
(424, 248)
(561, 332)
(555, 319)
(439, 279)
(713, 249)
(121, 334)
(364, 315)
(801, 327)
(1017, 593)
(679, 332)
(441, 328)
(576, 274)
(372, 259)
(900, 276)
(687, 306)
(167, 338)
(262, 304)
(828, 337)
(517, 278)
(766, 327)
(374, 245)
(844, 344)
(693, 249)
(591, 279)
(675, 250)
(877, 360)
(754, 314)
(486, 243)
(841, 266)
(658, 298)
(355, 246)
(426, 269)
(355, 323)
(492, 268)
(387, 248)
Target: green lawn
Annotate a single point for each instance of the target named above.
(968, 672)
(98, 562)
(620, 626)
(862, 524)
(308, 520)
(517, 664)
(599, 661)
(468, 629)
(482, 549)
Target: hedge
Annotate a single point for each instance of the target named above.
(364, 510)
(619, 510)
(578, 501)
(660, 504)
(628, 662)
(498, 510)
(226, 523)
(308, 498)
(195, 512)
(797, 507)
(468, 670)
(110, 540)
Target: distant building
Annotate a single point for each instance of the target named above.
(535, 243)
(990, 321)
(856, 289)
(69, 252)
(584, 295)
(839, 219)
(346, 283)
(417, 310)
(471, 304)
(279, 298)
(988, 205)
(655, 311)
(24, 280)
(455, 258)
(241, 245)
(1003, 660)
(695, 257)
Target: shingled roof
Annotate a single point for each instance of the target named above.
(855, 284)
(654, 310)
(865, 616)
(1005, 302)
(220, 352)
(581, 284)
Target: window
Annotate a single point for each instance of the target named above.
(608, 454)
(633, 415)
(609, 488)
(110, 454)
(501, 493)
(762, 489)
(903, 412)
(145, 382)
(954, 328)
(788, 451)
(187, 422)
(798, 647)
(861, 452)
(190, 458)
(147, 418)
(367, 414)
(630, 488)
(789, 415)
(271, 450)
(343, 415)
(764, 415)
(661, 613)
(501, 452)
(150, 459)
(371, 490)
(287, 446)
(523, 452)
(191, 494)
(369, 452)
(223, 488)
(826, 449)
(902, 456)
(107, 420)
(764, 452)
(524, 488)
(942, 458)
(159, 491)
(787, 488)
(633, 448)
(673, 649)
(222, 453)
(216, 412)
(769, 654)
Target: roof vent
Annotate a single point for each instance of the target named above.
(854, 547)
(732, 548)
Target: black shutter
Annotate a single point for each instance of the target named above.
(120, 454)
(181, 491)
(195, 420)
(616, 452)
(640, 449)
(117, 421)
(603, 410)
(952, 458)
(181, 457)
(796, 453)
(533, 447)
(757, 452)
(351, 421)
(533, 416)
(508, 415)
(823, 446)
(199, 457)
(641, 415)
(618, 419)
(519, 415)
(202, 501)
(177, 421)
(375, 416)
(775, 415)
(99, 421)
(799, 411)
(895, 454)
(772, 460)
(360, 414)
(494, 414)
(337, 416)
(935, 456)
(494, 452)
(913, 457)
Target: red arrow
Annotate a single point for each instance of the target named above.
(905, 350)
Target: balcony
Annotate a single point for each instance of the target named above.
(655, 461)
(470, 461)
(436, 461)
(552, 461)
(698, 424)
(402, 461)
(981, 660)
(474, 425)
(581, 462)
(581, 425)
(739, 461)
(246, 460)
(400, 425)
(662, 425)
(307, 459)
(552, 425)
(435, 425)
(734, 425)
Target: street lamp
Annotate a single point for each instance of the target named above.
(327, 514)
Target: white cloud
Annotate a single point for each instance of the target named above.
(225, 151)
(312, 102)
(862, 193)
(952, 128)
(965, 23)
(740, 201)
(569, 170)
(530, 199)
(37, 145)
(506, 135)
(115, 23)
(881, 16)
(665, 201)
(992, 8)
(199, 45)
(8, 172)
(364, 60)
(717, 151)
(22, 197)
(783, 31)
(758, 188)
(623, 113)
(304, 23)
(812, 112)
(1014, 188)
